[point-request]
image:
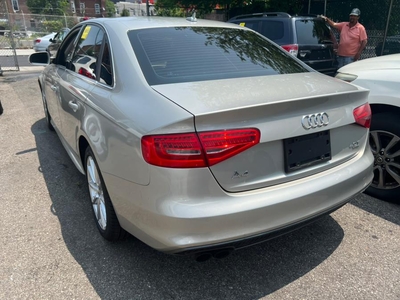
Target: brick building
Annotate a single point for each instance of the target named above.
(78, 8)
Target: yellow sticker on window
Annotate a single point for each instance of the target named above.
(86, 32)
(242, 24)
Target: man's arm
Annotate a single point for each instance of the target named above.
(330, 22)
(362, 46)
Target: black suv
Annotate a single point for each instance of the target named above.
(306, 37)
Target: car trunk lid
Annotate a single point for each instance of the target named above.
(276, 105)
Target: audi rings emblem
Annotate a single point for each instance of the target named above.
(315, 120)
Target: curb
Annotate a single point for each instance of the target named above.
(31, 69)
(6, 72)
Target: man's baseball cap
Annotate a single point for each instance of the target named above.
(355, 12)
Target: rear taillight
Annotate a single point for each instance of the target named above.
(86, 73)
(37, 41)
(292, 49)
(362, 115)
(195, 150)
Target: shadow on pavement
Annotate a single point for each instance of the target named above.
(385, 210)
(131, 269)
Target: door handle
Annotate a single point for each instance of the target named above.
(73, 105)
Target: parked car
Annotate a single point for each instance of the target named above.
(201, 137)
(306, 37)
(41, 44)
(381, 75)
(392, 46)
(56, 41)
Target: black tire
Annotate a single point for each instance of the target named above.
(103, 211)
(385, 145)
(46, 112)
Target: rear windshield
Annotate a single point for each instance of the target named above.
(185, 54)
(313, 32)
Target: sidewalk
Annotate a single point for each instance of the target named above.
(25, 51)
(9, 51)
(31, 69)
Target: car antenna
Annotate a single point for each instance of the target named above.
(193, 17)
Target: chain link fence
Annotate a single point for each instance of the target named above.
(381, 20)
(8, 56)
(19, 31)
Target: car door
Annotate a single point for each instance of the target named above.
(76, 82)
(50, 92)
(51, 79)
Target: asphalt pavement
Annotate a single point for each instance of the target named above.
(50, 248)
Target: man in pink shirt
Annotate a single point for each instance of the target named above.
(353, 38)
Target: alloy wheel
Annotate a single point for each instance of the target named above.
(386, 149)
(96, 193)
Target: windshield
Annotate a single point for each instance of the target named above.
(184, 54)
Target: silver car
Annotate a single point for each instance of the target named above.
(41, 43)
(202, 137)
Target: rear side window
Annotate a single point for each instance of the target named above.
(276, 30)
(184, 54)
(313, 32)
(87, 52)
(106, 68)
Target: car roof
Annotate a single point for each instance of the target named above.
(129, 23)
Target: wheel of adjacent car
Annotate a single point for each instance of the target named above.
(385, 145)
(103, 210)
(46, 112)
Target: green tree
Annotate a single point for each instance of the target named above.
(170, 12)
(170, 7)
(110, 9)
(289, 6)
(53, 26)
(48, 7)
(201, 6)
(125, 13)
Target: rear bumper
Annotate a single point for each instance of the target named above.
(39, 49)
(183, 217)
(259, 238)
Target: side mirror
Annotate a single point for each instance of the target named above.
(39, 58)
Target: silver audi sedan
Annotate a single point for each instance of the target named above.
(201, 137)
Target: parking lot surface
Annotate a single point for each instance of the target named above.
(50, 247)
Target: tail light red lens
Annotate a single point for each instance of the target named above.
(37, 41)
(362, 115)
(195, 150)
(86, 73)
(292, 49)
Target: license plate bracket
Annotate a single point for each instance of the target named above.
(307, 150)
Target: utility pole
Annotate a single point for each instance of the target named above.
(387, 26)
(147, 8)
